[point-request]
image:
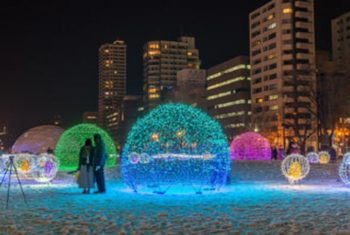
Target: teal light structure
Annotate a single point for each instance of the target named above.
(68, 146)
(175, 146)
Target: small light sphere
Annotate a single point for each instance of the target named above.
(24, 163)
(324, 157)
(312, 157)
(250, 146)
(45, 168)
(344, 169)
(295, 167)
(39, 167)
(174, 148)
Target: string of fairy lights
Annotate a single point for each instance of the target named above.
(175, 144)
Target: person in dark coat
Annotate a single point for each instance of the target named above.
(85, 167)
(273, 153)
(333, 154)
(100, 157)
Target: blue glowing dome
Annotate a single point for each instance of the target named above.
(175, 146)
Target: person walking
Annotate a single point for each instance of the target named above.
(100, 157)
(85, 168)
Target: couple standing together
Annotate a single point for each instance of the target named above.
(91, 162)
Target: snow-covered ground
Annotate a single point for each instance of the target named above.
(259, 200)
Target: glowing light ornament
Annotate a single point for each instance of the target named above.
(23, 162)
(71, 141)
(313, 157)
(295, 167)
(344, 169)
(175, 147)
(45, 169)
(42, 168)
(324, 157)
(250, 146)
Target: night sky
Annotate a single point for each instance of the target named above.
(49, 48)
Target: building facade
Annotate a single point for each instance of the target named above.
(112, 84)
(90, 117)
(341, 42)
(131, 110)
(228, 95)
(283, 78)
(161, 62)
(190, 88)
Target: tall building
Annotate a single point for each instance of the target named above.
(161, 62)
(190, 88)
(341, 42)
(283, 79)
(131, 110)
(112, 84)
(228, 94)
(90, 117)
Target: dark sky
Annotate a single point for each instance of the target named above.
(49, 48)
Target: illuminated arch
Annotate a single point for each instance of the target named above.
(68, 146)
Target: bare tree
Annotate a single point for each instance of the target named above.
(332, 99)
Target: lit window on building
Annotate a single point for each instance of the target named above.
(152, 90)
(153, 46)
(271, 56)
(222, 94)
(231, 103)
(270, 17)
(273, 97)
(274, 107)
(189, 53)
(153, 52)
(233, 80)
(235, 125)
(272, 26)
(287, 10)
(106, 51)
(259, 100)
(232, 114)
(153, 96)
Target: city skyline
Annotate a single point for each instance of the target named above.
(50, 52)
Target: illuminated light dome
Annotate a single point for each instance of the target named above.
(175, 148)
(38, 140)
(313, 157)
(71, 141)
(324, 157)
(295, 167)
(344, 169)
(250, 146)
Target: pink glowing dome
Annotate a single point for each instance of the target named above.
(250, 146)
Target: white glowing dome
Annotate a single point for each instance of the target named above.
(38, 139)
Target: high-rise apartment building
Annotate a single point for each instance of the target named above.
(283, 79)
(112, 84)
(90, 117)
(341, 42)
(162, 60)
(190, 88)
(228, 95)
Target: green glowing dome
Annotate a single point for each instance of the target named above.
(68, 146)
